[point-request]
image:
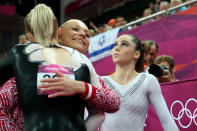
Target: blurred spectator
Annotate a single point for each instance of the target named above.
(92, 32)
(108, 27)
(153, 52)
(137, 24)
(164, 5)
(112, 23)
(147, 12)
(23, 39)
(157, 5)
(175, 3)
(102, 28)
(190, 5)
(151, 7)
(146, 53)
(167, 64)
(95, 28)
(120, 21)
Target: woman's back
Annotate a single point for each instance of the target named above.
(40, 112)
(55, 55)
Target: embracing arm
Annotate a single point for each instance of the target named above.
(100, 98)
(96, 94)
(156, 98)
(103, 98)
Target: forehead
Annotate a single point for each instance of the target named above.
(77, 24)
(124, 38)
(163, 5)
(120, 19)
(175, 2)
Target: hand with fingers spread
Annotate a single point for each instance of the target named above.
(62, 86)
(166, 78)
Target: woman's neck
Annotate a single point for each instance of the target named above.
(124, 74)
(53, 41)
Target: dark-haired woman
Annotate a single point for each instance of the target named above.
(136, 89)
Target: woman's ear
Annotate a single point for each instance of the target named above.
(174, 69)
(59, 31)
(29, 36)
(137, 55)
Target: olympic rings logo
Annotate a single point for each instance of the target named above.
(186, 111)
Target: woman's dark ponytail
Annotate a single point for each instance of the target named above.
(139, 67)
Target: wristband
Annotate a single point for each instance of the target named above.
(86, 90)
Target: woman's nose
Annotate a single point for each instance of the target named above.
(82, 33)
(117, 48)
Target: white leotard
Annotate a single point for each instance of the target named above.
(136, 97)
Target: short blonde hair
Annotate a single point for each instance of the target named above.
(148, 10)
(164, 3)
(179, 1)
(42, 24)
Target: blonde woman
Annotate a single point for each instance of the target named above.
(23, 61)
(174, 3)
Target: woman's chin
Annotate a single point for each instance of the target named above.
(116, 61)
